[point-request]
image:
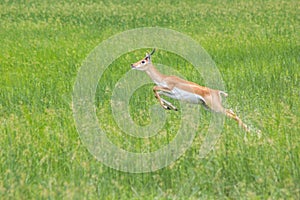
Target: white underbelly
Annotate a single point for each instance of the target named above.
(183, 95)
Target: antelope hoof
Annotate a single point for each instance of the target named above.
(166, 107)
(170, 107)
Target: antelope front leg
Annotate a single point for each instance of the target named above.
(169, 104)
(165, 104)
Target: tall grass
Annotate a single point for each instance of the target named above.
(255, 45)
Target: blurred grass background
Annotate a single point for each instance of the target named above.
(255, 45)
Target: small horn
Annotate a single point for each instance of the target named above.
(152, 52)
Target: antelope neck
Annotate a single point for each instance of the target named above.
(154, 74)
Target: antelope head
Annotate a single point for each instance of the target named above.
(144, 63)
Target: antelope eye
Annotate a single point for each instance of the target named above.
(143, 62)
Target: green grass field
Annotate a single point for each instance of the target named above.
(256, 46)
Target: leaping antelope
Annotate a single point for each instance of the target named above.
(180, 89)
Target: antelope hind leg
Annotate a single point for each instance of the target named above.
(232, 115)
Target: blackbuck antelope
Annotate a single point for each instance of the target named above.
(180, 89)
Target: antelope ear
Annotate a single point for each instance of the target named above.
(148, 56)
